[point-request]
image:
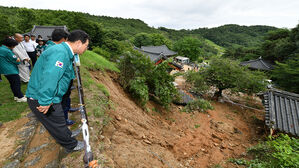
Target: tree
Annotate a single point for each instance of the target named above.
(5, 29)
(141, 78)
(159, 39)
(189, 47)
(224, 73)
(286, 75)
(278, 45)
(27, 19)
(142, 39)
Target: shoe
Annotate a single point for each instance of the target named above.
(23, 99)
(80, 146)
(76, 132)
(73, 87)
(16, 98)
(74, 109)
(69, 122)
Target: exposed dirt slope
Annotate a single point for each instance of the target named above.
(139, 138)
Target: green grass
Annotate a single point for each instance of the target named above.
(10, 109)
(94, 61)
(220, 49)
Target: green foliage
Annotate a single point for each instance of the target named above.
(103, 89)
(286, 75)
(160, 39)
(94, 61)
(142, 39)
(27, 19)
(278, 152)
(197, 81)
(234, 35)
(200, 105)
(140, 76)
(5, 29)
(102, 52)
(278, 45)
(224, 73)
(139, 90)
(154, 39)
(189, 47)
(243, 53)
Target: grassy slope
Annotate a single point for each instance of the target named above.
(11, 110)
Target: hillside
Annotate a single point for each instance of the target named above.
(124, 135)
(230, 35)
(22, 20)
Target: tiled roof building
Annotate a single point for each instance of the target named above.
(45, 31)
(258, 64)
(282, 111)
(156, 53)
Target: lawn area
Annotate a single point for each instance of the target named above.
(10, 109)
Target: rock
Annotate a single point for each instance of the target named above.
(102, 137)
(223, 146)
(216, 144)
(53, 164)
(27, 132)
(14, 164)
(35, 149)
(147, 141)
(42, 129)
(18, 153)
(118, 118)
(33, 161)
(237, 131)
(217, 137)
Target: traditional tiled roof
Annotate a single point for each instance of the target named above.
(185, 98)
(282, 111)
(45, 31)
(259, 64)
(153, 57)
(163, 49)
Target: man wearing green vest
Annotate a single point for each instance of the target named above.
(48, 83)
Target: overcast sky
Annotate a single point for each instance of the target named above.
(181, 14)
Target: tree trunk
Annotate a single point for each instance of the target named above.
(218, 94)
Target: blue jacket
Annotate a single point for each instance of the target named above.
(8, 61)
(51, 75)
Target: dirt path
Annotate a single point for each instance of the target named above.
(139, 138)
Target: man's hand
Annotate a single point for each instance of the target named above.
(18, 60)
(44, 109)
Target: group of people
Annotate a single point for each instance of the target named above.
(50, 83)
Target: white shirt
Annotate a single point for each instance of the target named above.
(70, 47)
(29, 46)
(34, 43)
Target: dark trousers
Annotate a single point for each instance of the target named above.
(66, 101)
(33, 57)
(54, 122)
(15, 85)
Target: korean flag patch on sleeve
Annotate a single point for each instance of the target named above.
(59, 64)
(14, 56)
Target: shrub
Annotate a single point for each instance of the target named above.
(199, 104)
(278, 152)
(139, 90)
(101, 52)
